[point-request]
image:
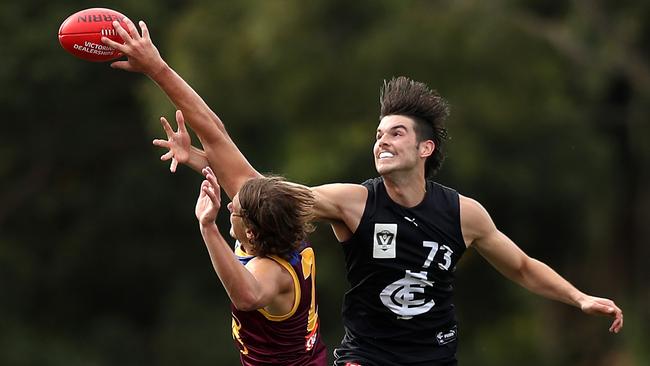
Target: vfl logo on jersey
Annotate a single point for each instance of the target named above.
(399, 296)
(385, 241)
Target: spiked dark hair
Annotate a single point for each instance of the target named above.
(278, 213)
(405, 97)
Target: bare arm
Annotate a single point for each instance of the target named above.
(248, 288)
(229, 164)
(480, 232)
(253, 287)
(341, 205)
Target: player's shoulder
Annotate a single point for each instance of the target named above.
(272, 268)
(345, 191)
(474, 218)
(470, 208)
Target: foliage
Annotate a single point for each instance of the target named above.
(101, 262)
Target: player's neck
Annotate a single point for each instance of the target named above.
(405, 189)
(247, 247)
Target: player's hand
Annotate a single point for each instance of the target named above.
(209, 200)
(605, 307)
(178, 142)
(142, 55)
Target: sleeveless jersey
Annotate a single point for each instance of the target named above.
(291, 339)
(400, 265)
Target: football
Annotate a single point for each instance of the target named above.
(81, 34)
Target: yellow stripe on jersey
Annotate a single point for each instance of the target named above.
(296, 291)
(309, 269)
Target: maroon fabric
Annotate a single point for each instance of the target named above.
(285, 342)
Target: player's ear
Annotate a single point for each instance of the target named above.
(250, 235)
(426, 148)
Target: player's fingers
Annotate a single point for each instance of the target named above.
(616, 325)
(204, 188)
(210, 192)
(161, 143)
(121, 31)
(145, 30)
(620, 324)
(167, 156)
(597, 308)
(215, 195)
(207, 170)
(214, 198)
(167, 127)
(209, 175)
(133, 31)
(111, 43)
(173, 165)
(180, 120)
(124, 65)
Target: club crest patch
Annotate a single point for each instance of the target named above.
(385, 241)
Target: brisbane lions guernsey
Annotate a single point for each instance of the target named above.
(400, 265)
(292, 339)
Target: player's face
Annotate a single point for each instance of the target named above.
(237, 227)
(396, 147)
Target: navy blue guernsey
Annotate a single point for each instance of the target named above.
(400, 266)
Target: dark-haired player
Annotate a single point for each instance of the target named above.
(402, 234)
(271, 277)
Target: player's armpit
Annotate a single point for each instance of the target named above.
(273, 287)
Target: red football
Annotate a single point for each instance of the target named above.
(81, 34)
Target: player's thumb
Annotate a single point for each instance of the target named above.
(124, 65)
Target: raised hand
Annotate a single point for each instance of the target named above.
(142, 55)
(209, 201)
(178, 142)
(599, 306)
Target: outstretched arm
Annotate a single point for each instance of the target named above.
(248, 289)
(479, 231)
(342, 205)
(229, 164)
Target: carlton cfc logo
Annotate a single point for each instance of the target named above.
(405, 297)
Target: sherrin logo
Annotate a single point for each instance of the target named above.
(97, 18)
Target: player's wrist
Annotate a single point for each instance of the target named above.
(158, 71)
(207, 224)
(579, 299)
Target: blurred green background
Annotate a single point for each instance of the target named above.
(101, 260)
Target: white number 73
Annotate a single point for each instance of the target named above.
(434, 249)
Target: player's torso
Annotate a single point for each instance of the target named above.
(288, 339)
(400, 267)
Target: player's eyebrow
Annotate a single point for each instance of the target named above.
(400, 126)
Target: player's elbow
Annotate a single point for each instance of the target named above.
(213, 136)
(524, 273)
(516, 272)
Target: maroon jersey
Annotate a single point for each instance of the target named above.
(290, 339)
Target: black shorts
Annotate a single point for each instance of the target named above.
(355, 351)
